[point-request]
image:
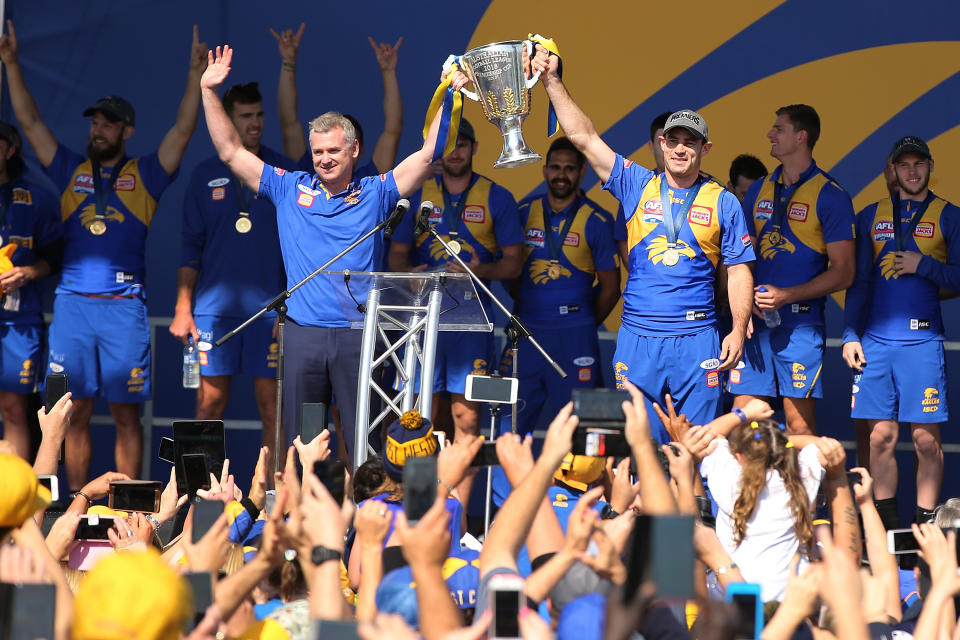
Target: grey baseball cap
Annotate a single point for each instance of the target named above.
(688, 119)
(909, 144)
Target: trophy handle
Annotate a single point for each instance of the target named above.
(530, 82)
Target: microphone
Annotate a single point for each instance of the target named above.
(423, 218)
(394, 220)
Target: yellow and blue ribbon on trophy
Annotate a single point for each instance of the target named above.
(553, 125)
(451, 103)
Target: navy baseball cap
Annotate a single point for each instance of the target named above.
(466, 130)
(114, 108)
(910, 144)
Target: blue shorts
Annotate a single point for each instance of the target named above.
(683, 366)
(781, 362)
(19, 357)
(103, 345)
(576, 349)
(459, 353)
(253, 351)
(907, 383)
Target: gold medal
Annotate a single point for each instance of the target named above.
(454, 246)
(553, 271)
(671, 257)
(243, 224)
(98, 227)
(775, 237)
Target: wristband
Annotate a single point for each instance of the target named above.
(251, 508)
(737, 411)
(153, 521)
(725, 568)
(445, 485)
(85, 496)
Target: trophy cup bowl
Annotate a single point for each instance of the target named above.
(503, 92)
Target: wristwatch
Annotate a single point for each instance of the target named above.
(321, 554)
(149, 518)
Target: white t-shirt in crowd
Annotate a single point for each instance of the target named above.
(771, 541)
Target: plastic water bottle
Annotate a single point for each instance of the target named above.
(191, 366)
(772, 318)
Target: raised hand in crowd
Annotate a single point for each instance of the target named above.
(317, 450)
(8, 45)
(223, 488)
(622, 492)
(96, 489)
(210, 551)
(515, 455)
(938, 618)
(385, 52)
(20, 565)
(324, 524)
(841, 589)
(132, 533)
(258, 484)
(372, 524)
(60, 539)
(198, 53)
(657, 497)
(170, 501)
(883, 564)
(699, 441)
(676, 425)
(53, 429)
(453, 463)
(288, 43)
(799, 601)
(682, 469)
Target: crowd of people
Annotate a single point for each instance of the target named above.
(723, 316)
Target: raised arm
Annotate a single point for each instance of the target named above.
(174, 144)
(294, 142)
(574, 122)
(385, 152)
(24, 107)
(226, 140)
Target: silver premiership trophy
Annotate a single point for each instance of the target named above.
(504, 93)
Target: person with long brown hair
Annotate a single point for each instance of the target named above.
(764, 483)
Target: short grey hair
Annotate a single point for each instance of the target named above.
(331, 120)
(947, 513)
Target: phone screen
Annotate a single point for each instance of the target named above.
(491, 389)
(599, 407)
(135, 496)
(205, 514)
(746, 604)
(199, 436)
(56, 388)
(506, 609)
(33, 607)
(201, 586)
(52, 485)
(333, 474)
(94, 529)
(196, 473)
(419, 486)
(486, 456)
(903, 541)
(313, 420)
(168, 450)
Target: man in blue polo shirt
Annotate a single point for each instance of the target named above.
(568, 244)
(100, 336)
(317, 217)
(31, 248)
(231, 264)
(802, 221)
(680, 225)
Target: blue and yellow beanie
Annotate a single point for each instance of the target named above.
(409, 437)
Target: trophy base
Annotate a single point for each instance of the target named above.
(516, 160)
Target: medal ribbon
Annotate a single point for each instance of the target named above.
(674, 226)
(101, 193)
(899, 237)
(244, 197)
(779, 206)
(553, 125)
(553, 247)
(452, 214)
(451, 104)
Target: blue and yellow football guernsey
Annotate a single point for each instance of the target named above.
(587, 248)
(29, 219)
(112, 263)
(816, 211)
(239, 272)
(661, 300)
(903, 309)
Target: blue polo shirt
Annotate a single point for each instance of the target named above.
(29, 219)
(239, 272)
(314, 225)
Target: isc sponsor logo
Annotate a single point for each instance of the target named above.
(218, 193)
(700, 215)
(799, 375)
(763, 210)
(126, 182)
(924, 230)
(798, 211)
(474, 214)
(572, 240)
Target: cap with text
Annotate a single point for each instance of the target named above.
(687, 119)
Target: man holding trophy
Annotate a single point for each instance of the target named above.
(681, 226)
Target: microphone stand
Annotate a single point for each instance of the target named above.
(515, 323)
(279, 304)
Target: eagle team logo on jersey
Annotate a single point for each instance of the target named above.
(479, 367)
(538, 271)
(619, 374)
(438, 253)
(659, 244)
(931, 400)
(135, 383)
(27, 372)
(89, 214)
(799, 376)
(886, 266)
(768, 249)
